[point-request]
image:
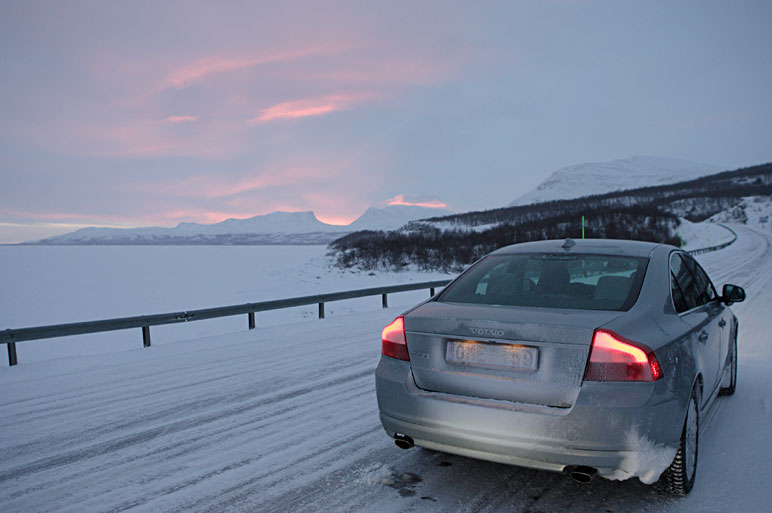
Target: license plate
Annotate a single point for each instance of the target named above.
(506, 356)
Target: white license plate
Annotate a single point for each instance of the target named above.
(507, 356)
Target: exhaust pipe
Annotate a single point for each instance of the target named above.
(583, 474)
(403, 441)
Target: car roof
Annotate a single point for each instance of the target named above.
(620, 247)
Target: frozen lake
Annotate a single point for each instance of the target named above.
(43, 285)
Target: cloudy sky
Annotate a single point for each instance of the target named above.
(136, 113)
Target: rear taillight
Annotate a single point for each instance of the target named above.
(393, 341)
(614, 358)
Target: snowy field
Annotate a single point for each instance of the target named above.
(61, 284)
(284, 418)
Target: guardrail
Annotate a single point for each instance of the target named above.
(717, 247)
(12, 336)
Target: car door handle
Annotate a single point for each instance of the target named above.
(721, 323)
(703, 336)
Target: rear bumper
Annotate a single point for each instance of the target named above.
(620, 429)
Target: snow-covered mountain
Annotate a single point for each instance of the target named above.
(615, 175)
(394, 216)
(274, 228)
(275, 222)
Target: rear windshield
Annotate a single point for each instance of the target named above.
(585, 282)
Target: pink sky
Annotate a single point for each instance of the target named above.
(150, 114)
(400, 200)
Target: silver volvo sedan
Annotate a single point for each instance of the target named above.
(586, 357)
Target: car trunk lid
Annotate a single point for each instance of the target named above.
(519, 354)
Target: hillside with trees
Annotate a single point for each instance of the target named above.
(648, 213)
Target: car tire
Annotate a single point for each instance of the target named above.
(678, 479)
(729, 390)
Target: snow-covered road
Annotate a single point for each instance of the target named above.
(285, 419)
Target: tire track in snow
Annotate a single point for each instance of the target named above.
(201, 400)
(147, 435)
(190, 444)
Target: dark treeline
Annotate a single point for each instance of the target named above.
(429, 247)
(647, 213)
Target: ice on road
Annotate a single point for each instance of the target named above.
(284, 418)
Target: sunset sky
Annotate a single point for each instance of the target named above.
(138, 113)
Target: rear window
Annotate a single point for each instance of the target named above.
(546, 280)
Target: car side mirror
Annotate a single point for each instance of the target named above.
(732, 294)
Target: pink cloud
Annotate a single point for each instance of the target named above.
(211, 65)
(180, 119)
(333, 77)
(309, 107)
(291, 110)
(400, 200)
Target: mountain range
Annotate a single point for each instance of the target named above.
(274, 228)
(304, 228)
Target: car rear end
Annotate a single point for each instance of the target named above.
(514, 362)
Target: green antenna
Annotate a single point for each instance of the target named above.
(584, 271)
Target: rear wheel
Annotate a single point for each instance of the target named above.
(732, 378)
(678, 479)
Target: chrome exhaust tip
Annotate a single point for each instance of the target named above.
(403, 441)
(583, 474)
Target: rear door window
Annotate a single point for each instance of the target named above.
(679, 301)
(591, 282)
(683, 280)
(705, 289)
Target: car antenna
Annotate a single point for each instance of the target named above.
(568, 244)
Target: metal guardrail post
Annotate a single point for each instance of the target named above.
(384, 300)
(251, 316)
(12, 360)
(321, 310)
(431, 292)
(145, 336)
